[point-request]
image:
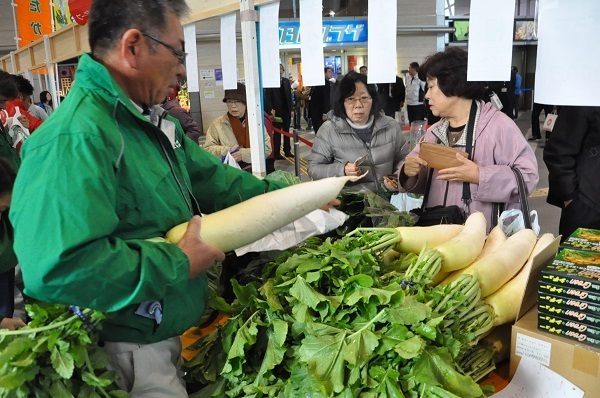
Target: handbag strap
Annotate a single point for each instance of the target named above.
(523, 196)
(498, 208)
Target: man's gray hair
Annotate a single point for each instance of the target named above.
(109, 19)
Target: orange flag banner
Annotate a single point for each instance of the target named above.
(34, 20)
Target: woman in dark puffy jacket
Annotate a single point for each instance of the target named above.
(358, 130)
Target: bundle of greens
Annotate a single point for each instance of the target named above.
(328, 322)
(56, 355)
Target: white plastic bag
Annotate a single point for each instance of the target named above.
(228, 159)
(495, 100)
(549, 122)
(16, 130)
(405, 202)
(314, 223)
(511, 221)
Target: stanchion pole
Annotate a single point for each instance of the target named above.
(296, 153)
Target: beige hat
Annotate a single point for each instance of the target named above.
(239, 94)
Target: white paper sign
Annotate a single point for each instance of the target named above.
(536, 349)
(269, 45)
(567, 31)
(228, 51)
(490, 38)
(383, 19)
(191, 61)
(311, 43)
(533, 379)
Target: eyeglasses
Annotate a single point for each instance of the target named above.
(178, 53)
(234, 102)
(362, 100)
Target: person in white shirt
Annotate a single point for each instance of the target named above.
(37, 111)
(415, 92)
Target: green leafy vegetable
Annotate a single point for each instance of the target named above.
(55, 355)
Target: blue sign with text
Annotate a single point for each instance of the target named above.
(337, 31)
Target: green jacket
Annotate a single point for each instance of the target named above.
(6, 149)
(97, 179)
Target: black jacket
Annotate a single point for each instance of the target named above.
(391, 95)
(572, 156)
(280, 99)
(320, 100)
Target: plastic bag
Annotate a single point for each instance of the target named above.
(228, 159)
(511, 221)
(550, 121)
(16, 130)
(406, 202)
(314, 223)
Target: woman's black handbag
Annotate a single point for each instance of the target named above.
(439, 215)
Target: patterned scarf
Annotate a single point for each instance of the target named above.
(241, 131)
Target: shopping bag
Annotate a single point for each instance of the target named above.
(401, 117)
(495, 100)
(16, 130)
(549, 122)
(229, 160)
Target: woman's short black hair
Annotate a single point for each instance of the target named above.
(348, 87)
(449, 67)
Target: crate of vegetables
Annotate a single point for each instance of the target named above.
(574, 330)
(584, 239)
(574, 268)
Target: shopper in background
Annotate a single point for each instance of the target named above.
(8, 260)
(363, 70)
(573, 160)
(391, 96)
(415, 94)
(320, 100)
(278, 103)
(46, 102)
(518, 82)
(8, 92)
(498, 143)
(117, 172)
(35, 110)
(358, 129)
(22, 102)
(230, 132)
(189, 125)
(300, 98)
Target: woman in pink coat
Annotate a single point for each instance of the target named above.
(498, 144)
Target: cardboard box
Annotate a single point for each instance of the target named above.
(584, 239)
(578, 363)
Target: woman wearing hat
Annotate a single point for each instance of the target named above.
(229, 133)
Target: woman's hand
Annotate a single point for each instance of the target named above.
(412, 165)
(350, 169)
(24, 121)
(467, 172)
(12, 323)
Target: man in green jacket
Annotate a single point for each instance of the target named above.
(107, 172)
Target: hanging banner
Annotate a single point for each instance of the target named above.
(228, 52)
(383, 19)
(61, 14)
(269, 45)
(311, 45)
(80, 10)
(34, 20)
(490, 38)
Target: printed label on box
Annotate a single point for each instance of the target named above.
(533, 348)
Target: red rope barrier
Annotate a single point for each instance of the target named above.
(309, 143)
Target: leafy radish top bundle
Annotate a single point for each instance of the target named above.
(328, 323)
